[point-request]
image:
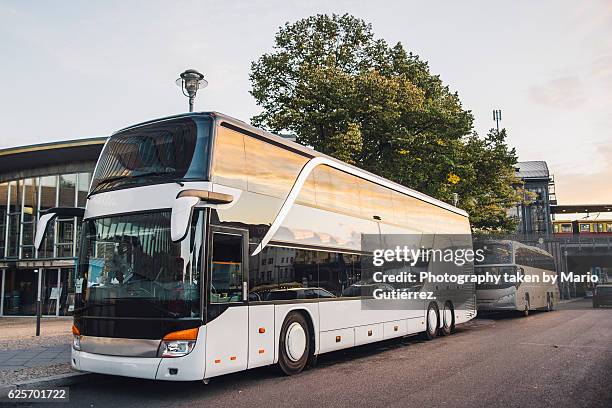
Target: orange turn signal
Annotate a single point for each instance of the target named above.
(189, 334)
(75, 330)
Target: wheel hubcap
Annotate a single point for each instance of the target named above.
(432, 321)
(295, 341)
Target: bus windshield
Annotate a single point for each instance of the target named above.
(495, 271)
(130, 268)
(495, 253)
(159, 152)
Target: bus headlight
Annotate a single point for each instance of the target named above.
(506, 299)
(176, 348)
(76, 343)
(76, 338)
(178, 344)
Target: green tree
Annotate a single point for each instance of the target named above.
(488, 185)
(352, 96)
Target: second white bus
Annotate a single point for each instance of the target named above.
(514, 258)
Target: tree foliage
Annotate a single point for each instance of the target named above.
(355, 97)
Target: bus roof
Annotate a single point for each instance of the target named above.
(514, 244)
(220, 117)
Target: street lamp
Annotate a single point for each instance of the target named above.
(189, 82)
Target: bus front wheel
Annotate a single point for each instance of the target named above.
(527, 306)
(432, 319)
(294, 344)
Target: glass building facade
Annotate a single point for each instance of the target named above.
(32, 181)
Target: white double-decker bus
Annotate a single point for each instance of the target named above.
(532, 287)
(209, 246)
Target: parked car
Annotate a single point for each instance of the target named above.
(602, 295)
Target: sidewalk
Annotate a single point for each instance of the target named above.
(23, 356)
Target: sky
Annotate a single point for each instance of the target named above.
(78, 69)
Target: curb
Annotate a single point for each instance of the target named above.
(60, 380)
(562, 302)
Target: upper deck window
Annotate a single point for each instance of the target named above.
(494, 252)
(159, 152)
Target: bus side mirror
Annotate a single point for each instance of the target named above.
(50, 214)
(41, 228)
(181, 217)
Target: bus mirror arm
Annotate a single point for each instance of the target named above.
(182, 209)
(49, 215)
(210, 197)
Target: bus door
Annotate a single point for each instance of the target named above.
(227, 313)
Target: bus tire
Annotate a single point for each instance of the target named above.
(552, 302)
(312, 360)
(432, 321)
(448, 319)
(294, 344)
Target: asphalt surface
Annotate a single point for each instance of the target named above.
(557, 359)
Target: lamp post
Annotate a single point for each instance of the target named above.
(38, 301)
(189, 82)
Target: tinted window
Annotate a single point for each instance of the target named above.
(277, 269)
(229, 167)
(227, 272)
(495, 253)
(271, 170)
(155, 153)
(495, 271)
(338, 272)
(282, 295)
(129, 267)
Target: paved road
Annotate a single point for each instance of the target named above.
(558, 359)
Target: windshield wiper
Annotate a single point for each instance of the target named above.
(159, 173)
(133, 176)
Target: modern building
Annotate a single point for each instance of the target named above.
(33, 179)
(535, 218)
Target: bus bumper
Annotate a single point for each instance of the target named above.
(499, 304)
(115, 365)
(186, 368)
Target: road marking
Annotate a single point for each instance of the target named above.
(567, 346)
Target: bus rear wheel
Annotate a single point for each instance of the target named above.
(294, 344)
(432, 319)
(448, 319)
